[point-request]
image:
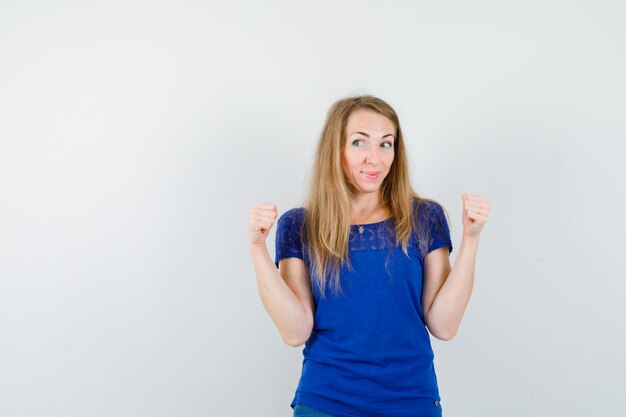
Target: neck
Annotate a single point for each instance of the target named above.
(365, 208)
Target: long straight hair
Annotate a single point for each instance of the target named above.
(327, 220)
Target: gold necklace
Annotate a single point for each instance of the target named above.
(360, 226)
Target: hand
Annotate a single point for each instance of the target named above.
(475, 211)
(262, 218)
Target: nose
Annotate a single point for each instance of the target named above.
(371, 155)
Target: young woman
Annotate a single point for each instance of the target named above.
(362, 272)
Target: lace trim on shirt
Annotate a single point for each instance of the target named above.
(376, 236)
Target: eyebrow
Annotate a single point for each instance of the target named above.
(367, 136)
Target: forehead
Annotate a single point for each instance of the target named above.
(369, 120)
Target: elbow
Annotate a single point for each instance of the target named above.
(445, 336)
(442, 333)
(439, 328)
(300, 338)
(293, 342)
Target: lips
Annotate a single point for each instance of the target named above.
(372, 175)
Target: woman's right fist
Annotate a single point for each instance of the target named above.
(262, 218)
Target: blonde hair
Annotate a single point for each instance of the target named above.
(327, 219)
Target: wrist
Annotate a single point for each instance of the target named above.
(470, 240)
(256, 250)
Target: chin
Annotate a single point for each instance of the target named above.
(369, 189)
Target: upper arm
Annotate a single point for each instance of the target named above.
(437, 259)
(435, 272)
(295, 274)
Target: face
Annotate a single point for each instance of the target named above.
(368, 151)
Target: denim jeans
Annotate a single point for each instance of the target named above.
(300, 410)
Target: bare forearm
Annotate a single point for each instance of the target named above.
(279, 301)
(446, 312)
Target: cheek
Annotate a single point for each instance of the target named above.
(348, 161)
(389, 159)
(345, 164)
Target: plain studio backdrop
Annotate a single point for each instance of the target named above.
(135, 135)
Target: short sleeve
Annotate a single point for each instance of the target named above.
(438, 230)
(288, 235)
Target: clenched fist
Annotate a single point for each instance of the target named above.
(262, 218)
(475, 211)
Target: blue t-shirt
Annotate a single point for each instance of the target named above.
(369, 353)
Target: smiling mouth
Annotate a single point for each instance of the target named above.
(372, 175)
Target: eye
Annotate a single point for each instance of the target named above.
(357, 142)
(386, 145)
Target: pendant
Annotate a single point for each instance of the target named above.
(361, 229)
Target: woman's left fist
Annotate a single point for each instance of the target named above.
(475, 211)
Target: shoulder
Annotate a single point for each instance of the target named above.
(293, 214)
(426, 209)
(292, 218)
(290, 240)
